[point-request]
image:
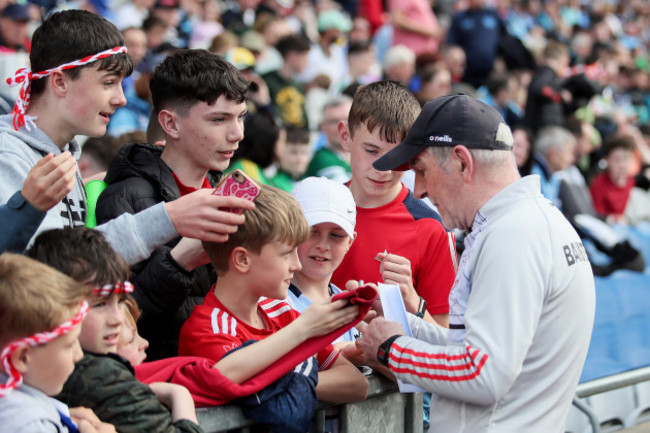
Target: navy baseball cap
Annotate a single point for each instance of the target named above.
(16, 12)
(446, 122)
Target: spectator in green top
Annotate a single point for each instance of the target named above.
(293, 155)
(331, 160)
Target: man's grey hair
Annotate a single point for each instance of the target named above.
(397, 54)
(491, 160)
(337, 101)
(552, 137)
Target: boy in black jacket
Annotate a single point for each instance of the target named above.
(199, 100)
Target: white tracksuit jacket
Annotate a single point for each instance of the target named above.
(521, 314)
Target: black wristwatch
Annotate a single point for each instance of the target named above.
(422, 308)
(384, 349)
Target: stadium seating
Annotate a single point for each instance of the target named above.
(620, 342)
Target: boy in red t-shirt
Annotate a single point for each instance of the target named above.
(399, 239)
(255, 267)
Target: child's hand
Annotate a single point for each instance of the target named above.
(351, 352)
(324, 317)
(396, 269)
(189, 254)
(376, 309)
(87, 421)
(177, 399)
(51, 179)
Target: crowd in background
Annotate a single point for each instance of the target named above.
(578, 65)
(569, 77)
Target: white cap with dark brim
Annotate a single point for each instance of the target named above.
(325, 200)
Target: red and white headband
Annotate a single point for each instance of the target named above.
(109, 289)
(24, 77)
(15, 379)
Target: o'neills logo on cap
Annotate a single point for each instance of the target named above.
(445, 138)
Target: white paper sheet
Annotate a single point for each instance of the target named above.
(394, 310)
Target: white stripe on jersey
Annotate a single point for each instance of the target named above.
(328, 362)
(272, 303)
(305, 367)
(216, 316)
(279, 311)
(233, 326)
(224, 322)
(213, 320)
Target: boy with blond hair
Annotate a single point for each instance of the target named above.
(39, 328)
(255, 267)
(399, 239)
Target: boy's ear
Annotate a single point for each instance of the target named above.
(240, 259)
(344, 135)
(20, 359)
(168, 123)
(58, 82)
(351, 241)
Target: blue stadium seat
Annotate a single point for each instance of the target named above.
(603, 356)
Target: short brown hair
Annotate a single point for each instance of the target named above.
(277, 217)
(555, 50)
(34, 297)
(81, 253)
(387, 105)
(619, 141)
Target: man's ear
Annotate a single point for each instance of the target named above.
(168, 121)
(344, 135)
(464, 162)
(240, 259)
(20, 359)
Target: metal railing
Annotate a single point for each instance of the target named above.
(385, 410)
(604, 384)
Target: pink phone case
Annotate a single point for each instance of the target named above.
(237, 184)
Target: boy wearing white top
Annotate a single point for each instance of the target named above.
(331, 213)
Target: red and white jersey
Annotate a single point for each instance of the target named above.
(212, 330)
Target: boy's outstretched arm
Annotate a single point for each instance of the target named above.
(342, 383)
(318, 319)
(198, 215)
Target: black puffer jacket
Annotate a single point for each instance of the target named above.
(166, 293)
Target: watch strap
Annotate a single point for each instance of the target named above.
(383, 350)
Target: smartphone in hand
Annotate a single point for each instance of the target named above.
(237, 184)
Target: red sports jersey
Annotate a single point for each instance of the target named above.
(406, 227)
(212, 330)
